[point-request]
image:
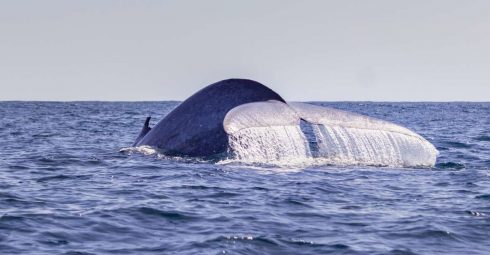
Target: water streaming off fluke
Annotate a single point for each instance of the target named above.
(276, 133)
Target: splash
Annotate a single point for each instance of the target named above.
(266, 133)
(158, 154)
(372, 147)
(272, 145)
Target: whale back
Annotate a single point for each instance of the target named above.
(195, 127)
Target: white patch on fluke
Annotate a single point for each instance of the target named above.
(266, 132)
(270, 132)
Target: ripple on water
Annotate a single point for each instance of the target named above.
(172, 216)
(401, 252)
(484, 197)
(483, 138)
(456, 144)
(62, 177)
(78, 253)
(450, 165)
(475, 213)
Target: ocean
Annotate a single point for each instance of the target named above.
(70, 185)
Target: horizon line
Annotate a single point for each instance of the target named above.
(313, 101)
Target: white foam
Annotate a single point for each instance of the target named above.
(153, 151)
(144, 149)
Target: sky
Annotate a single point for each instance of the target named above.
(345, 50)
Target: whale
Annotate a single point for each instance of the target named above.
(245, 120)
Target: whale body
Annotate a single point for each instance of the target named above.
(195, 127)
(248, 121)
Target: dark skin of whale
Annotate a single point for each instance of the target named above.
(195, 127)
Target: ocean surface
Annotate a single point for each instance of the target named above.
(70, 185)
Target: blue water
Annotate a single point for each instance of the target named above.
(65, 188)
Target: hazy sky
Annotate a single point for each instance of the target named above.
(415, 50)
